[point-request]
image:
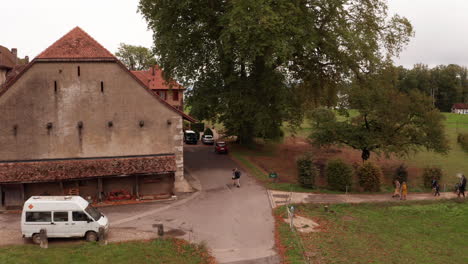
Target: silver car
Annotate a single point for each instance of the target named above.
(207, 139)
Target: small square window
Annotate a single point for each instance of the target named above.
(60, 216)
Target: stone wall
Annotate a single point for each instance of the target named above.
(51, 112)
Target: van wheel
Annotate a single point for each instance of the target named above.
(36, 239)
(91, 236)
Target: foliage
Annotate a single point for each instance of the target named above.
(430, 173)
(445, 84)
(306, 171)
(170, 251)
(136, 58)
(369, 176)
(197, 128)
(401, 174)
(208, 131)
(387, 120)
(462, 139)
(255, 64)
(339, 175)
(385, 233)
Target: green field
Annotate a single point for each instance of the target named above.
(170, 251)
(410, 232)
(456, 160)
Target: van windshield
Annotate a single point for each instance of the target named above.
(93, 212)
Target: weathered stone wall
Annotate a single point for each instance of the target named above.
(54, 93)
(156, 184)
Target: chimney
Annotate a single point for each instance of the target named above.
(26, 59)
(14, 51)
(153, 70)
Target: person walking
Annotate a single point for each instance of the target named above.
(436, 187)
(396, 193)
(236, 177)
(404, 191)
(462, 186)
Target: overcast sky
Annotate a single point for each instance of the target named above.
(31, 26)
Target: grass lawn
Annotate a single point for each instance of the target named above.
(456, 160)
(409, 232)
(170, 251)
(259, 161)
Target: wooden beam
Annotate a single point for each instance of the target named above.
(100, 189)
(137, 186)
(22, 191)
(61, 188)
(1, 197)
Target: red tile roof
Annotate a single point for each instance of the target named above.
(76, 44)
(460, 106)
(67, 169)
(153, 78)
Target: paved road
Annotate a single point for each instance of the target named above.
(235, 223)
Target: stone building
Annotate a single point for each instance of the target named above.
(75, 120)
(10, 64)
(170, 91)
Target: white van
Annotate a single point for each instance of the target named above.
(61, 216)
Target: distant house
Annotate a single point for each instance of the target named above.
(171, 92)
(76, 121)
(10, 64)
(460, 108)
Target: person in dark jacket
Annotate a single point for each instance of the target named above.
(462, 186)
(436, 187)
(236, 177)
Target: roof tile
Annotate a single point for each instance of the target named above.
(76, 44)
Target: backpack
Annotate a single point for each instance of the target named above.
(237, 174)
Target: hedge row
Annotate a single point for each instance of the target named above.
(340, 174)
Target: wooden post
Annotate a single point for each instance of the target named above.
(1, 197)
(100, 189)
(102, 236)
(22, 191)
(61, 188)
(44, 240)
(137, 187)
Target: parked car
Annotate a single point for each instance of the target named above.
(61, 216)
(221, 147)
(207, 139)
(190, 137)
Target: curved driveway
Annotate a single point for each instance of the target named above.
(235, 223)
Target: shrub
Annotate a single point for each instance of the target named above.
(339, 175)
(306, 171)
(208, 131)
(401, 174)
(431, 173)
(462, 139)
(369, 177)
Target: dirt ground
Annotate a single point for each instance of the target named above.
(283, 161)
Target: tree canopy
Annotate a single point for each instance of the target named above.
(254, 64)
(384, 120)
(446, 84)
(136, 58)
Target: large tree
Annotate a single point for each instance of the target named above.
(384, 120)
(136, 58)
(254, 64)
